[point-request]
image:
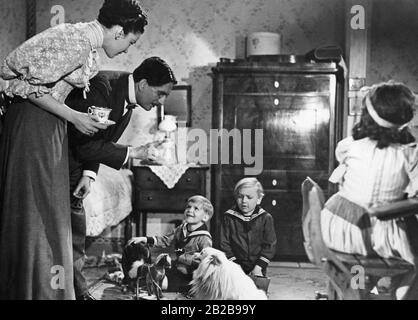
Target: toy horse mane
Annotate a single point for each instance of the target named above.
(163, 260)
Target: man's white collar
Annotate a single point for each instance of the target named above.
(131, 90)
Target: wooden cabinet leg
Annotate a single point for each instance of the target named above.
(144, 223)
(128, 228)
(137, 223)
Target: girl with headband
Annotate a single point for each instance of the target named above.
(378, 164)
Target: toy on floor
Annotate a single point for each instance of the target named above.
(154, 275)
(116, 277)
(138, 268)
(134, 256)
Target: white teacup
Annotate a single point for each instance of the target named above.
(99, 114)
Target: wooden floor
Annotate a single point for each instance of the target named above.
(103, 289)
(289, 281)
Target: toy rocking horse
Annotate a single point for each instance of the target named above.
(154, 275)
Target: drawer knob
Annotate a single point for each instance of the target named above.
(276, 84)
(149, 198)
(273, 203)
(276, 102)
(274, 182)
(188, 179)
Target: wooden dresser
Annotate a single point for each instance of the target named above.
(299, 108)
(151, 195)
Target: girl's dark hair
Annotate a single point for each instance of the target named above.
(393, 102)
(156, 71)
(125, 13)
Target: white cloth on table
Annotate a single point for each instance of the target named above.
(170, 175)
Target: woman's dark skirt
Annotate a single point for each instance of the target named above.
(35, 227)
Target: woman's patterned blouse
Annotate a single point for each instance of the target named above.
(52, 62)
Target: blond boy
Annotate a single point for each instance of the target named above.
(247, 232)
(188, 239)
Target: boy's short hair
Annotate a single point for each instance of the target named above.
(206, 204)
(249, 182)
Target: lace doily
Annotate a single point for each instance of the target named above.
(170, 175)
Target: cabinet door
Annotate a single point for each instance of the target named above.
(296, 115)
(295, 128)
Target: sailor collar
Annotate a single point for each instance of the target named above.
(257, 212)
(203, 230)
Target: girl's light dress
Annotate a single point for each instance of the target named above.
(369, 176)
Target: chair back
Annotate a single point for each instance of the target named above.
(313, 202)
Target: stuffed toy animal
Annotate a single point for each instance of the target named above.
(134, 256)
(218, 278)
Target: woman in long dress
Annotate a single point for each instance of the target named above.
(35, 228)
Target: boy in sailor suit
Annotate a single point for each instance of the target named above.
(188, 239)
(247, 232)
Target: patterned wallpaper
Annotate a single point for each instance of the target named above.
(192, 35)
(394, 45)
(13, 25)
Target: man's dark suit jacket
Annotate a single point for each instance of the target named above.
(107, 89)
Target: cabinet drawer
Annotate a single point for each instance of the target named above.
(251, 105)
(145, 179)
(290, 180)
(276, 180)
(164, 200)
(284, 206)
(274, 84)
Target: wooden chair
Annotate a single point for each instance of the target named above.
(341, 269)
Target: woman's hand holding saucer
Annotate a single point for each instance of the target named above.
(86, 125)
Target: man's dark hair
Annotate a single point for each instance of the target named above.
(156, 71)
(125, 13)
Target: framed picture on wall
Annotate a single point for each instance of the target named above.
(179, 104)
